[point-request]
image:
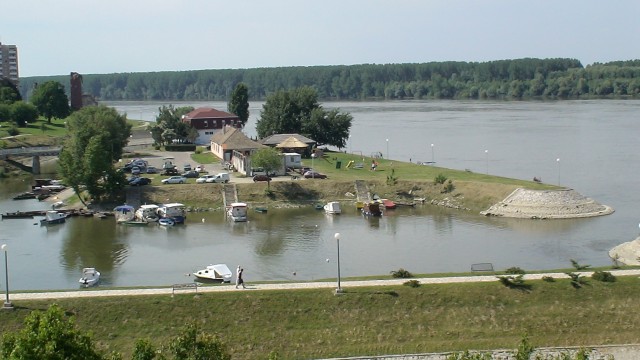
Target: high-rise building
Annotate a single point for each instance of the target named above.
(9, 62)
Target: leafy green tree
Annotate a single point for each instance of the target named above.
(328, 127)
(51, 100)
(5, 112)
(267, 158)
(96, 138)
(239, 103)
(48, 335)
(22, 113)
(195, 345)
(170, 118)
(8, 92)
(143, 350)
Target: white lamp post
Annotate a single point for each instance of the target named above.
(7, 304)
(388, 149)
(337, 236)
(558, 161)
(487, 154)
(349, 141)
(433, 157)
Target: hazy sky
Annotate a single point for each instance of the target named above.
(96, 37)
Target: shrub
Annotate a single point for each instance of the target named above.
(13, 130)
(577, 280)
(603, 276)
(440, 179)
(578, 266)
(392, 179)
(401, 273)
(469, 356)
(548, 278)
(515, 270)
(412, 283)
(449, 187)
(514, 282)
(198, 150)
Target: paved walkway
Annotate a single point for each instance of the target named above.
(94, 292)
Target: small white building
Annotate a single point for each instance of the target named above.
(292, 160)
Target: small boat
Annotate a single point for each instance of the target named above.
(23, 214)
(332, 207)
(53, 217)
(176, 211)
(25, 196)
(136, 223)
(147, 213)
(218, 272)
(319, 207)
(388, 204)
(57, 205)
(237, 212)
(166, 222)
(90, 277)
(124, 213)
(372, 209)
(261, 209)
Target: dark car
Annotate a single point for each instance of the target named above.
(191, 174)
(314, 175)
(170, 172)
(140, 181)
(257, 178)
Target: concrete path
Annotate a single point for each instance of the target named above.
(94, 292)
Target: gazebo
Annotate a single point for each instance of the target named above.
(292, 143)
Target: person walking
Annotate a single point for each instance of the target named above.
(239, 280)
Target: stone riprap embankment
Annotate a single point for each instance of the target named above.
(547, 204)
(627, 253)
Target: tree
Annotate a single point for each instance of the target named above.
(267, 158)
(96, 138)
(239, 103)
(51, 100)
(328, 127)
(9, 93)
(170, 118)
(23, 113)
(48, 335)
(192, 345)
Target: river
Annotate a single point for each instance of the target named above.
(590, 146)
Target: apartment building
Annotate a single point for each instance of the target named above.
(9, 62)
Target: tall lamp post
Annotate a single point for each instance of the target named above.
(337, 236)
(558, 161)
(7, 304)
(487, 155)
(388, 149)
(433, 157)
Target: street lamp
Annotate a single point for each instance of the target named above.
(487, 153)
(337, 236)
(388, 149)
(433, 157)
(558, 161)
(349, 141)
(7, 304)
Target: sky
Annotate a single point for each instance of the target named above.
(122, 36)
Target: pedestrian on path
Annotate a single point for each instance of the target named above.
(239, 280)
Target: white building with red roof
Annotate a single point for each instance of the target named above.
(209, 121)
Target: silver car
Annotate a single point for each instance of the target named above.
(175, 180)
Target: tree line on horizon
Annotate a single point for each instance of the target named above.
(527, 78)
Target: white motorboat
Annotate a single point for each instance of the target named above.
(124, 213)
(218, 272)
(166, 222)
(53, 217)
(176, 211)
(237, 212)
(332, 207)
(90, 277)
(147, 213)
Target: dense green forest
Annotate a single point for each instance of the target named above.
(503, 79)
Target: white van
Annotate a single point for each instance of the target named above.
(220, 178)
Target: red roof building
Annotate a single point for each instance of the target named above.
(209, 121)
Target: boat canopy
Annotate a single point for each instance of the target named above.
(124, 208)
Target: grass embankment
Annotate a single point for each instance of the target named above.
(365, 321)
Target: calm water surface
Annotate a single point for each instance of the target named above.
(596, 142)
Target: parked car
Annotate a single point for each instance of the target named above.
(135, 170)
(187, 167)
(139, 181)
(200, 168)
(191, 174)
(175, 180)
(314, 175)
(220, 178)
(261, 178)
(204, 179)
(152, 170)
(170, 172)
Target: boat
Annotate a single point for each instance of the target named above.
(23, 214)
(388, 204)
(332, 207)
(218, 272)
(90, 277)
(166, 222)
(53, 217)
(176, 211)
(260, 209)
(372, 208)
(147, 213)
(136, 223)
(237, 212)
(319, 206)
(124, 213)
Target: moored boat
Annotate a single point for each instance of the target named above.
(53, 217)
(124, 213)
(332, 207)
(237, 212)
(176, 211)
(372, 208)
(166, 222)
(388, 204)
(147, 213)
(217, 272)
(90, 277)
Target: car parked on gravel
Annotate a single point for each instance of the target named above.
(191, 174)
(140, 181)
(314, 175)
(257, 178)
(174, 180)
(204, 179)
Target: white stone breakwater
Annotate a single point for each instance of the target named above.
(547, 204)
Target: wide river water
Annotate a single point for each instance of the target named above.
(590, 146)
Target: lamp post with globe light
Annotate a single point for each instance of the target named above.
(337, 237)
(7, 304)
(487, 155)
(388, 149)
(558, 161)
(433, 157)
